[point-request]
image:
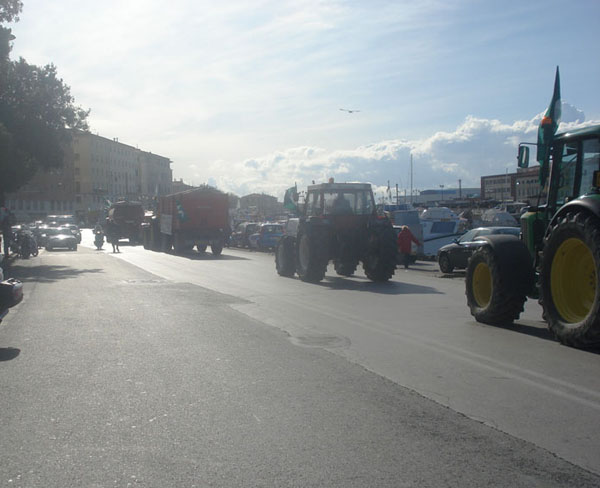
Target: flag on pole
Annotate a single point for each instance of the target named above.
(290, 198)
(547, 129)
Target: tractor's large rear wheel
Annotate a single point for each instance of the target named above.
(492, 295)
(570, 279)
(284, 257)
(311, 254)
(379, 262)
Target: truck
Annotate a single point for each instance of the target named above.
(127, 217)
(197, 217)
(557, 258)
(339, 222)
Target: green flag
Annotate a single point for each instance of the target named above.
(547, 129)
(290, 198)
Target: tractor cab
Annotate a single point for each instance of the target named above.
(344, 204)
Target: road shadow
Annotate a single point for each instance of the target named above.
(48, 273)
(541, 332)
(9, 353)
(358, 283)
(207, 256)
(454, 275)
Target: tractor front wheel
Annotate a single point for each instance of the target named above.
(569, 279)
(311, 255)
(284, 257)
(491, 295)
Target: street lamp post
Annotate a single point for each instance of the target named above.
(442, 187)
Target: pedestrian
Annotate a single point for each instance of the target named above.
(6, 227)
(405, 240)
(112, 235)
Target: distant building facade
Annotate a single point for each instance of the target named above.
(528, 185)
(260, 206)
(499, 187)
(522, 186)
(96, 170)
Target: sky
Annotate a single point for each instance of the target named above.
(246, 95)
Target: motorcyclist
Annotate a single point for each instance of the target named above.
(98, 235)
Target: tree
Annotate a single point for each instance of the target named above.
(10, 10)
(37, 113)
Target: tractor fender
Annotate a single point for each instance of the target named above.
(588, 203)
(514, 260)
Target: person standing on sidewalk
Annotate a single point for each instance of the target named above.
(405, 240)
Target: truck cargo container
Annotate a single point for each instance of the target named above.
(197, 217)
(127, 217)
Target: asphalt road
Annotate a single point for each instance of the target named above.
(144, 369)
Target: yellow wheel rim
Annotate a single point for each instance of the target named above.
(482, 284)
(573, 280)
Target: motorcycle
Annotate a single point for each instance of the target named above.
(98, 239)
(26, 244)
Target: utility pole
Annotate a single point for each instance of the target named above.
(411, 179)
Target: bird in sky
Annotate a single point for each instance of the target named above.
(349, 111)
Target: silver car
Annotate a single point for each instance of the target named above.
(60, 237)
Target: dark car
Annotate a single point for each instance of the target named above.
(60, 237)
(457, 254)
(242, 233)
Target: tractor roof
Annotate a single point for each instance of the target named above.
(592, 130)
(336, 187)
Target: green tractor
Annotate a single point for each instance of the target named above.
(339, 222)
(557, 259)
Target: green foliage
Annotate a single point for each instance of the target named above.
(10, 10)
(37, 113)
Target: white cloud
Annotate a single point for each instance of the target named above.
(476, 147)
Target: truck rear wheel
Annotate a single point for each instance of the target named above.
(379, 262)
(216, 247)
(569, 279)
(165, 243)
(147, 238)
(284, 257)
(491, 294)
(311, 254)
(179, 244)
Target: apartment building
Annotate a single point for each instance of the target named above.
(96, 170)
(522, 186)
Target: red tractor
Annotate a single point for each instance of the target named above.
(339, 222)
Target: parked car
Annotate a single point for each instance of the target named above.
(60, 237)
(240, 237)
(266, 237)
(457, 254)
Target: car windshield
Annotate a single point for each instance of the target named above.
(473, 233)
(513, 231)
